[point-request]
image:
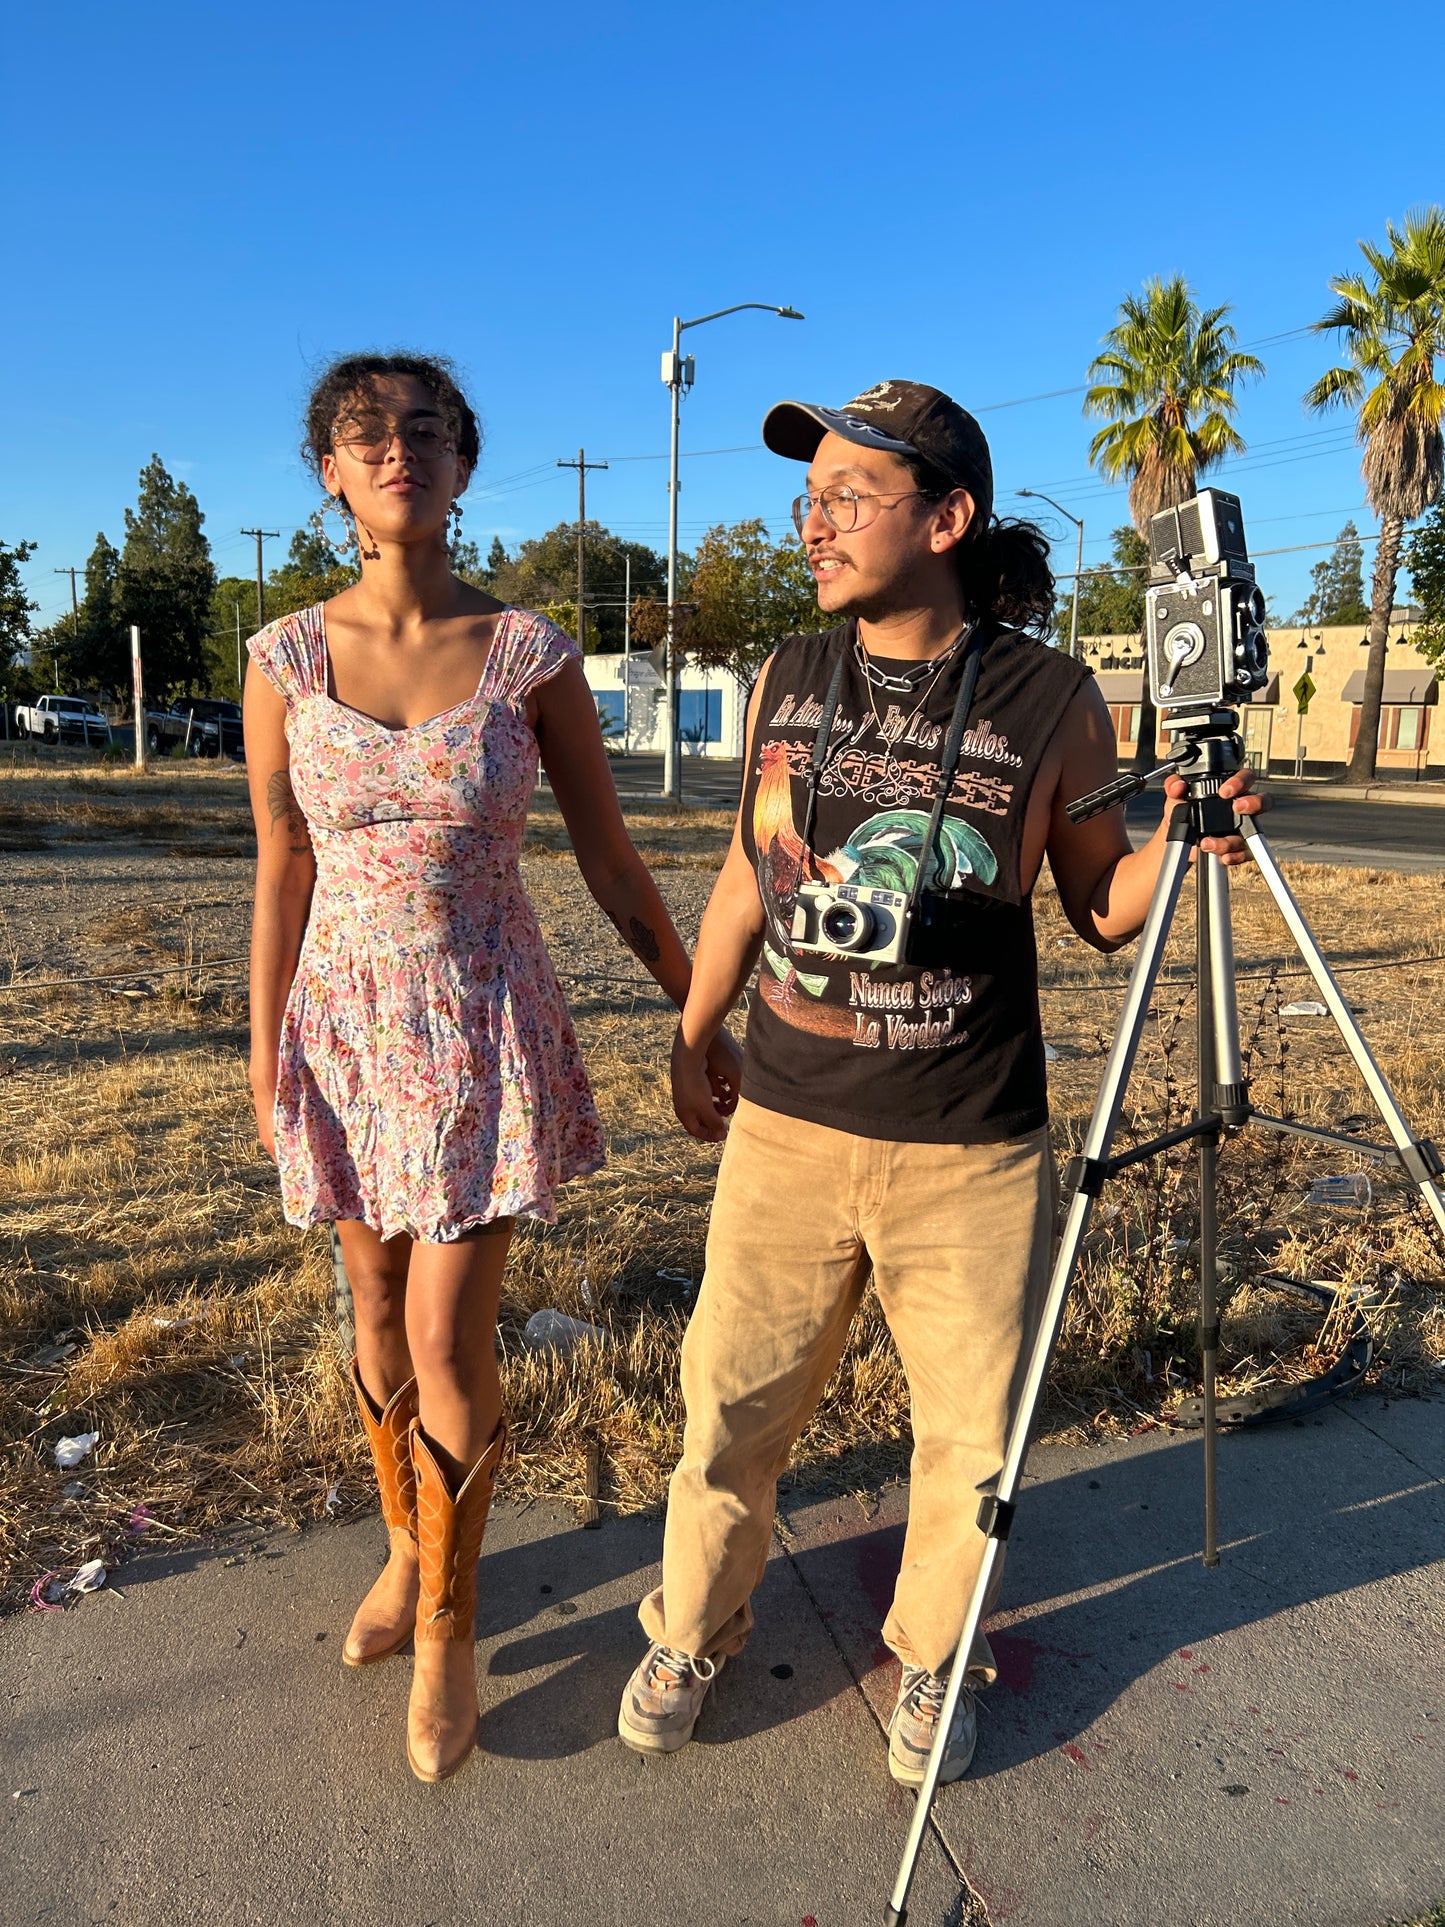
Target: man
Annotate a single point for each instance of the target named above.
(893, 1116)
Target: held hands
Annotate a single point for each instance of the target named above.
(705, 1085)
(1237, 789)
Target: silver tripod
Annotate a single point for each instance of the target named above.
(1206, 758)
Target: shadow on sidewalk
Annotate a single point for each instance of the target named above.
(1111, 1554)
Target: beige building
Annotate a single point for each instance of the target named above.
(1412, 733)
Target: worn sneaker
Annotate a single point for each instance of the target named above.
(663, 1699)
(914, 1725)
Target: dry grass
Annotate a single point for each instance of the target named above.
(142, 1227)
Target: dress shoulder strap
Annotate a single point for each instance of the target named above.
(527, 650)
(291, 654)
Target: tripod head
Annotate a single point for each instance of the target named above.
(1209, 751)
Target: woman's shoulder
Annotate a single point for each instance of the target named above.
(528, 649)
(291, 651)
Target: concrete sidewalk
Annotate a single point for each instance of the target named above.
(1260, 1746)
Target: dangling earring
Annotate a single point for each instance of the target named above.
(339, 545)
(372, 554)
(455, 544)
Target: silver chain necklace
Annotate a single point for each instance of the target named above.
(910, 681)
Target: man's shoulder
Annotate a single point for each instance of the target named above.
(1034, 658)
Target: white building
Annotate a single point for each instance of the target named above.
(712, 708)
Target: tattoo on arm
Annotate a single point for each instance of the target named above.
(281, 802)
(639, 939)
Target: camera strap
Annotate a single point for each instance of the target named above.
(820, 752)
(948, 767)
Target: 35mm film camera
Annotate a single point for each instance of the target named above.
(1204, 612)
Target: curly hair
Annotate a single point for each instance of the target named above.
(353, 376)
(1002, 566)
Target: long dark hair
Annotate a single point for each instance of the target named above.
(1003, 566)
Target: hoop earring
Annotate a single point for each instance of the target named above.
(340, 546)
(455, 542)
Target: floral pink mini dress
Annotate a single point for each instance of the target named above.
(430, 1079)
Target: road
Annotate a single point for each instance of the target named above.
(1301, 827)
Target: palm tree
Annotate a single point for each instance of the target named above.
(1392, 330)
(1165, 382)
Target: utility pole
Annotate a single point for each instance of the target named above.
(581, 465)
(261, 535)
(678, 373)
(75, 633)
(627, 656)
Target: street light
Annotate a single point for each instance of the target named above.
(677, 373)
(1039, 496)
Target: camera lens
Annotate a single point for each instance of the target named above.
(846, 925)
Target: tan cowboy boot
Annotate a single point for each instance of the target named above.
(386, 1617)
(441, 1721)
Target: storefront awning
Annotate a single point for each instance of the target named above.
(1403, 687)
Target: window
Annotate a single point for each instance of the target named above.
(1126, 721)
(699, 715)
(611, 712)
(1402, 726)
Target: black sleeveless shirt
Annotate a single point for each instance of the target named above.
(951, 1054)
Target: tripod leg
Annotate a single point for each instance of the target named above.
(1220, 1085)
(996, 1513)
(1427, 1179)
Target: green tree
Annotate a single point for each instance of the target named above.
(745, 593)
(1337, 585)
(543, 575)
(1426, 562)
(16, 607)
(1391, 323)
(165, 580)
(98, 654)
(1164, 384)
(1111, 600)
(467, 563)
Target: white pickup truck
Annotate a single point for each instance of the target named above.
(62, 718)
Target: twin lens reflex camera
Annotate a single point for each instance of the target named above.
(1204, 613)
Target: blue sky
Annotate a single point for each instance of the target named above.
(205, 205)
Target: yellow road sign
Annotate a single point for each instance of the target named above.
(1303, 690)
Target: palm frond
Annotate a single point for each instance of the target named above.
(1336, 387)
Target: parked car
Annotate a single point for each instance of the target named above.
(202, 725)
(57, 719)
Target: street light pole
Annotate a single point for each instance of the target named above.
(1038, 495)
(678, 374)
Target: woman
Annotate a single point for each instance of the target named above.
(415, 1071)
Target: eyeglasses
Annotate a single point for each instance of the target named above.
(369, 437)
(838, 505)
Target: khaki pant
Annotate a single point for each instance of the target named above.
(957, 1237)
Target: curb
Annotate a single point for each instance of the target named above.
(1422, 795)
